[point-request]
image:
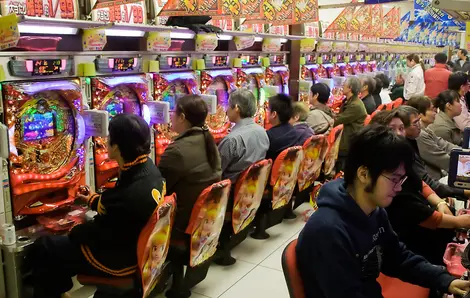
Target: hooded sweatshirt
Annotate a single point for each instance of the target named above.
(321, 119)
(341, 251)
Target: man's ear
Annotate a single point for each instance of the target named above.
(363, 174)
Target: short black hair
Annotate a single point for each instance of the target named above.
(282, 105)
(421, 103)
(405, 112)
(382, 117)
(464, 52)
(378, 86)
(385, 80)
(457, 80)
(445, 97)
(131, 134)
(441, 58)
(323, 91)
(369, 147)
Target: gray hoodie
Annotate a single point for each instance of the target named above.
(321, 119)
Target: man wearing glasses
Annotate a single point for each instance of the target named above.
(348, 241)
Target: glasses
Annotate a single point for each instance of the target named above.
(396, 183)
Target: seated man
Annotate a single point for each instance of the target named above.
(321, 117)
(435, 151)
(299, 119)
(398, 89)
(106, 246)
(348, 241)
(368, 86)
(282, 135)
(248, 142)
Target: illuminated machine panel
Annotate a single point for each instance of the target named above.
(116, 95)
(46, 132)
(278, 73)
(253, 79)
(219, 82)
(58, 9)
(168, 87)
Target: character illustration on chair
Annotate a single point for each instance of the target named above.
(276, 202)
(247, 200)
(200, 240)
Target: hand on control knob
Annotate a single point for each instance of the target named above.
(84, 193)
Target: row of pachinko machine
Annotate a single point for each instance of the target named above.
(334, 68)
(56, 108)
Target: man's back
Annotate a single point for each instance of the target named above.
(282, 137)
(437, 80)
(245, 145)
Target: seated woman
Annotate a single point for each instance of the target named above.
(321, 117)
(421, 219)
(192, 162)
(444, 126)
(299, 119)
(107, 245)
(435, 151)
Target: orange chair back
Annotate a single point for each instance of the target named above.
(291, 273)
(248, 194)
(153, 243)
(397, 102)
(380, 108)
(395, 288)
(284, 175)
(207, 219)
(314, 155)
(367, 120)
(334, 138)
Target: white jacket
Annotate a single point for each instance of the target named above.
(463, 120)
(414, 82)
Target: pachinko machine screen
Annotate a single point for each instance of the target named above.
(38, 126)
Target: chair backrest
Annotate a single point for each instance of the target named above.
(314, 155)
(207, 219)
(380, 108)
(291, 273)
(334, 139)
(397, 102)
(284, 175)
(153, 243)
(367, 120)
(248, 194)
(389, 106)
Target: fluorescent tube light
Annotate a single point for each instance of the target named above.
(127, 33)
(181, 35)
(283, 40)
(258, 39)
(225, 37)
(40, 29)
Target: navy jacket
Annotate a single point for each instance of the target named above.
(282, 137)
(341, 251)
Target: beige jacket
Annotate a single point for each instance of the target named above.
(446, 128)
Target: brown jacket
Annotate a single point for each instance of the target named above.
(446, 128)
(187, 172)
(352, 116)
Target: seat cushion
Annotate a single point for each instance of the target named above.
(115, 282)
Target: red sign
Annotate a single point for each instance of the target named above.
(391, 24)
(341, 23)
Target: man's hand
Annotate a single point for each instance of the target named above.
(84, 193)
(444, 209)
(459, 287)
(464, 221)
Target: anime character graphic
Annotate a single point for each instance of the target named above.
(312, 161)
(157, 248)
(248, 198)
(284, 187)
(205, 237)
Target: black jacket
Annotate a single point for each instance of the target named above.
(109, 242)
(369, 103)
(341, 251)
(282, 137)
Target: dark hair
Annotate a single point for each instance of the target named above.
(385, 80)
(457, 80)
(445, 97)
(369, 147)
(441, 58)
(282, 105)
(382, 118)
(323, 91)
(370, 83)
(464, 52)
(195, 110)
(416, 59)
(378, 86)
(421, 103)
(405, 113)
(131, 134)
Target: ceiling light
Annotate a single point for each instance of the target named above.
(127, 33)
(58, 30)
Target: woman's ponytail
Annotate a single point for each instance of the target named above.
(211, 149)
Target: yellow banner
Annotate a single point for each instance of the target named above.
(9, 33)
(467, 37)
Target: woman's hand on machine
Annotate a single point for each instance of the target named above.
(84, 193)
(459, 287)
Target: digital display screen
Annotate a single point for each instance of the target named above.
(221, 61)
(38, 126)
(123, 64)
(279, 59)
(179, 62)
(114, 108)
(46, 67)
(311, 59)
(463, 168)
(251, 60)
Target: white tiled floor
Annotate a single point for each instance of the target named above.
(257, 273)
